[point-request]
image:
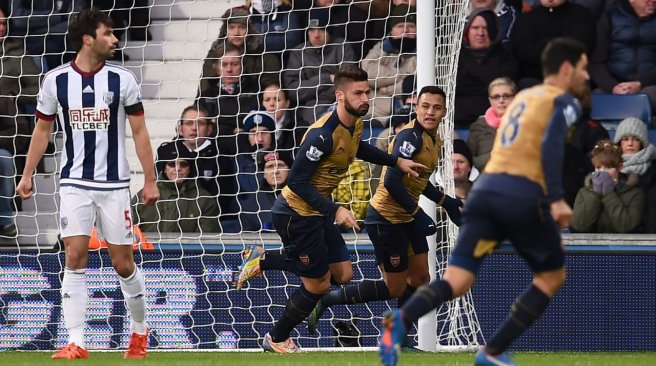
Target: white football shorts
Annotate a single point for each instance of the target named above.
(109, 210)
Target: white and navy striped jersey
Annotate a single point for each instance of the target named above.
(92, 108)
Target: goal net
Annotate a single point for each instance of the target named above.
(191, 300)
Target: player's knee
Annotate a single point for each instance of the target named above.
(341, 278)
(550, 282)
(75, 260)
(396, 290)
(417, 281)
(123, 268)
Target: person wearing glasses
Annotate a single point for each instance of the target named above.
(184, 206)
(501, 92)
(482, 59)
(214, 168)
(610, 201)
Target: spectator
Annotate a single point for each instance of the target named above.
(638, 156)
(289, 129)
(597, 7)
(391, 60)
(624, 58)
(582, 137)
(508, 13)
(20, 75)
(311, 68)
(354, 192)
(353, 23)
(399, 119)
(214, 164)
(258, 135)
(229, 92)
(255, 212)
(130, 15)
(549, 20)
(238, 31)
(482, 59)
(43, 24)
(183, 206)
(610, 202)
(14, 141)
(277, 22)
(481, 136)
(463, 162)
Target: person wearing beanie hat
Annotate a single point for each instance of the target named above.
(258, 135)
(402, 14)
(463, 161)
(261, 119)
(639, 157)
(632, 127)
(391, 60)
(184, 206)
(318, 18)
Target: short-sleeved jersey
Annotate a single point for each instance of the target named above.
(412, 142)
(332, 144)
(530, 138)
(91, 108)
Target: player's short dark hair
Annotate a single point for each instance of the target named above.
(349, 74)
(559, 50)
(432, 89)
(85, 23)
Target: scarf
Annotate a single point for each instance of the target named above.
(639, 162)
(491, 118)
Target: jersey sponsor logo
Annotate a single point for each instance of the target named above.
(89, 119)
(108, 97)
(407, 149)
(313, 154)
(395, 260)
(64, 222)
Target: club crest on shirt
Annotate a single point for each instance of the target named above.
(304, 258)
(64, 222)
(407, 149)
(395, 260)
(108, 97)
(313, 154)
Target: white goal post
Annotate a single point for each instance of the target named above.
(191, 300)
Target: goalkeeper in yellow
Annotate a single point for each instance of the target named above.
(396, 225)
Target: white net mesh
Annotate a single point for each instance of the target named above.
(191, 300)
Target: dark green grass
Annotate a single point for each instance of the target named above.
(327, 359)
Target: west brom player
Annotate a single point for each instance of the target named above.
(92, 99)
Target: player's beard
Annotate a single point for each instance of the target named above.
(356, 112)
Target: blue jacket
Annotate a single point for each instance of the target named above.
(281, 29)
(625, 49)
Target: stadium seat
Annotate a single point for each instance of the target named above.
(611, 109)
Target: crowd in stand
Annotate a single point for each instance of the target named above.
(269, 74)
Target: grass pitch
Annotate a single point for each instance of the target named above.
(327, 359)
